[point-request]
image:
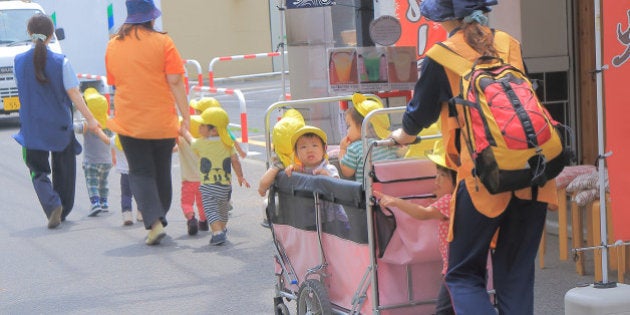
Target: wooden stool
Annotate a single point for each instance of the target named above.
(567, 175)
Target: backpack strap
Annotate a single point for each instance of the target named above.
(502, 44)
(449, 59)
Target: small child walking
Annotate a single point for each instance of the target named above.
(97, 157)
(126, 195)
(217, 158)
(190, 194)
(351, 155)
(438, 210)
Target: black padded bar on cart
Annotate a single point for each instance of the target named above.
(296, 206)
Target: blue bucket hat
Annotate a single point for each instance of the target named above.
(444, 10)
(141, 11)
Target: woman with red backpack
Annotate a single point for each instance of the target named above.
(519, 215)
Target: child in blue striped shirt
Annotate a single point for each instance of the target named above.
(351, 155)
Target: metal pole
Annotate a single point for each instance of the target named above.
(282, 50)
(600, 142)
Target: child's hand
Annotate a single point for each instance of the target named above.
(345, 142)
(384, 200)
(242, 180)
(289, 169)
(321, 171)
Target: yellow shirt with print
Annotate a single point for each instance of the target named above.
(215, 160)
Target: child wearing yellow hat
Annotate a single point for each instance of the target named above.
(283, 130)
(309, 146)
(217, 158)
(351, 156)
(190, 194)
(97, 157)
(206, 102)
(438, 210)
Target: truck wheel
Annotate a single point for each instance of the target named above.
(313, 299)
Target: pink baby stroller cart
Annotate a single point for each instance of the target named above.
(372, 261)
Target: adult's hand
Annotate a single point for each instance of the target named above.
(401, 137)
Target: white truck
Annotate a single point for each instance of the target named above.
(85, 27)
(14, 39)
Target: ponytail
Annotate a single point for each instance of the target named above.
(39, 60)
(478, 35)
(41, 28)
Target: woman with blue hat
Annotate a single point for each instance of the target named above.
(147, 71)
(518, 216)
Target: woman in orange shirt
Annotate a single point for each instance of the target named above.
(147, 71)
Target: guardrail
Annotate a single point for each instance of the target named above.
(237, 57)
(202, 90)
(199, 70)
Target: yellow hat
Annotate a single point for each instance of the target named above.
(218, 118)
(308, 129)
(438, 154)
(194, 126)
(282, 132)
(204, 103)
(364, 106)
(293, 113)
(117, 143)
(97, 104)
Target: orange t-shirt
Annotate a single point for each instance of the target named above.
(144, 105)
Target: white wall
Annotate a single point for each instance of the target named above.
(86, 27)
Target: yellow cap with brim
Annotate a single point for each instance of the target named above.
(364, 106)
(438, 154)
(305, 130)
(97, 104)
(204, 103)
(282, 132)
(218, 118)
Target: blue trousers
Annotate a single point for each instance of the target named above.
(126, 196)
(59, 191)
(150, 176)
(520, 228)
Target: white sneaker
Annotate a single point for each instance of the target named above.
(139, 216)
(127, 218)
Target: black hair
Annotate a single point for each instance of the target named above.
(448, 171)
(309, 135)
(358, 119)
(40, 24)
(126, 29)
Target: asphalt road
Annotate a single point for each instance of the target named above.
(95, 265)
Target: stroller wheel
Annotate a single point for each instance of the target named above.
(281, 309)
(313, 299)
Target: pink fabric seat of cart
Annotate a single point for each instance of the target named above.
(411, 255)
(412, 240)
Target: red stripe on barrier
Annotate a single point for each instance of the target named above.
(249, 56)
(225, 58)
(244, 128)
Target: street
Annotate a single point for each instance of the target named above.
(97, 266)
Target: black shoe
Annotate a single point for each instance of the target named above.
(192, 226)
(203, 226)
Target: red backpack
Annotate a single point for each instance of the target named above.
(513, 141)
